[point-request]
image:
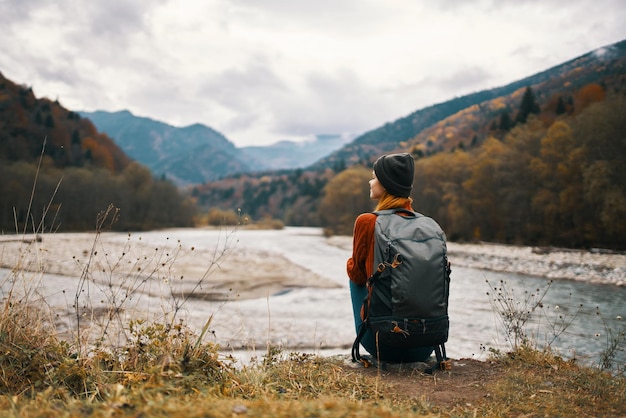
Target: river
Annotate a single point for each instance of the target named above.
(319, 320)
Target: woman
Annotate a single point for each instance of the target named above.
(391, 184)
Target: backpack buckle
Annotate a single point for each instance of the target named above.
(397, 260)
(397, 330)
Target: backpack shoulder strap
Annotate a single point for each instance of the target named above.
(404, 211)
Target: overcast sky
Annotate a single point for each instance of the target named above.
(260, 71)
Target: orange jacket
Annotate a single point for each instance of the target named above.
(361, 265)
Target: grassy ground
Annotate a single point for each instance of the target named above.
(169, 372)
(166, 370)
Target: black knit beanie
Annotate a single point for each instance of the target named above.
(395, 173)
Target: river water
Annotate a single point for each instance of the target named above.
(320, 320)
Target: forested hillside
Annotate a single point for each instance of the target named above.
(539, 165)
(562, 184)
(74, 170)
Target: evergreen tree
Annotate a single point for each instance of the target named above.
(528, 106)
(560, 106)
(505, 121)
(75, 137)
(49, 121)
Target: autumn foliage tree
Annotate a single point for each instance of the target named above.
(345, 197)
(557, 186)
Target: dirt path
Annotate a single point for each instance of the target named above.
(465, 384)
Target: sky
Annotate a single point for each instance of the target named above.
(261, 71)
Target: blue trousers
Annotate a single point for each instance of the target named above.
(407, 355)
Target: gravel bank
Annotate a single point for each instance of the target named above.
(552, 263)
(555, 264)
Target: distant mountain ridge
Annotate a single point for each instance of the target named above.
(197, 153)
(187, 155)
(290, 154)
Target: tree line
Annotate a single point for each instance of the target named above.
(48, 199)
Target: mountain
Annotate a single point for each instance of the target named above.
(291, 154)
(197, 153)
(596, 66)
(187, 155)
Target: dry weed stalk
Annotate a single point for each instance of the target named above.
(123, 280)
(516, 314)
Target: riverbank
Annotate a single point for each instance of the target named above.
(550, 263)
(219, 271)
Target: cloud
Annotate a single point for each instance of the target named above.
(114, 19)
(264, 70)
(334, 102)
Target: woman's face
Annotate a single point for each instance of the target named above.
(376, 189)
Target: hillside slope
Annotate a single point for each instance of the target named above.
(597, 66)
(27, 123)
(58, 172)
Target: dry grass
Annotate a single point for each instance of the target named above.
(192, 380)
(537, 383)
(167, 372)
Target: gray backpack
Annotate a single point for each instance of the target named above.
(407, 301)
